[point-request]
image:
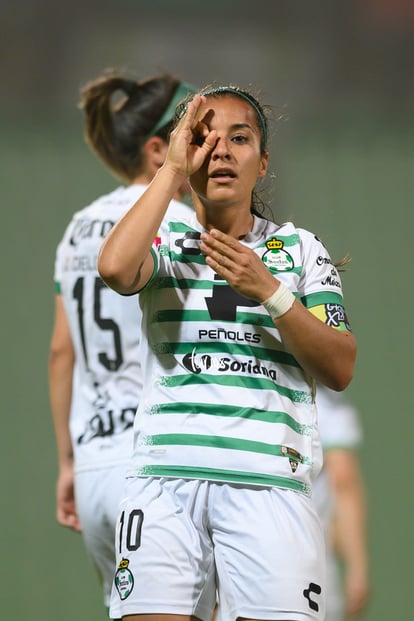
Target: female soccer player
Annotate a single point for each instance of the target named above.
(240, 317)
(94, 367)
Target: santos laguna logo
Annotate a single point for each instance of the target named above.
(201, 363)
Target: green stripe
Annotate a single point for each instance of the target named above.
(246, 478)
(167, 282)
(220, 442)
(249, 413)
(256, 319)
(258, 383)
(220, 347)
(288, 240)
(180, 227)
(58, 287)
(315, 299)
(180, 257)
(154, 271)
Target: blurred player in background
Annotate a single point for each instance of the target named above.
(94, 367)
(339, 496)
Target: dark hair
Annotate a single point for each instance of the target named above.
(116, 131)
(217, 91)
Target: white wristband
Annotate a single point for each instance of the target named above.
(279, 302)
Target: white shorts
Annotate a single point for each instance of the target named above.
(179, 543)
(335, 604)
(98, 494)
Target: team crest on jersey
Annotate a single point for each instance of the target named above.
(295, 458)
(124, 580)
(276, 259)
(293, 465)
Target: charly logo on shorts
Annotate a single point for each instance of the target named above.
(275, 258)
(124, 580)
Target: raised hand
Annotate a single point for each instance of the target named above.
(192, 140)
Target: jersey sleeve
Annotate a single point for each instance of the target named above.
(320, 283)
(59, 266)
(156, 250)
(338, 420)
(61, 253)
(176, 212)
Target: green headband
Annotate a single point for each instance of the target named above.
(232, 90)
(182, 90)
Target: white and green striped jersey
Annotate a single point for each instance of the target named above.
(222, 398)
(105, 329)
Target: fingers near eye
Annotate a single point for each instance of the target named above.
(189, 113)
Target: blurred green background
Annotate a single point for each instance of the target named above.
(339, 75)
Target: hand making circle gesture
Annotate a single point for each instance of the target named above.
(191, 141)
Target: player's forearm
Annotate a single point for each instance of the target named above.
(123, 258)
(60, 396)
(353, 549)
(351, 528)
(324, 353)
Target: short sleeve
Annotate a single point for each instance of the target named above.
(320, 283)
(338, 420)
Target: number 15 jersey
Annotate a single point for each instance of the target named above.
(105, 329)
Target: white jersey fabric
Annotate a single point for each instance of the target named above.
(222, 399)
(340, 428)
(105, 329)
(339, 423)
